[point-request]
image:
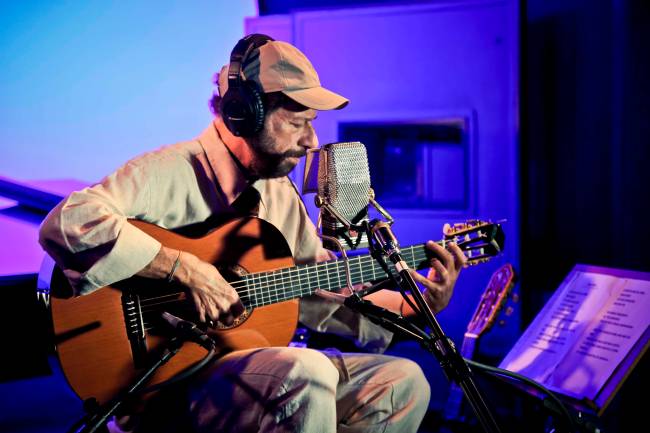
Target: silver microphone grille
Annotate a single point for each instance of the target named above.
(344, 177)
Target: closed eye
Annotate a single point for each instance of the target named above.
(301, 122)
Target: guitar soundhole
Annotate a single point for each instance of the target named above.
(233, 274)
(238, 321)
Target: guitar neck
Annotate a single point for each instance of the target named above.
(265, 288)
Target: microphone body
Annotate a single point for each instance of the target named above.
(189, 331)
(344, 184)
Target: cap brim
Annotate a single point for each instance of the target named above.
(317, 98)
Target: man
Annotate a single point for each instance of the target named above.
(204, 180)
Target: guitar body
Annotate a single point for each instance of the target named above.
(96, 354)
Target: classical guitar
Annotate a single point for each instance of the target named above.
(497, 292)
(104, 338)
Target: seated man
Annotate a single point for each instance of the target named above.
(268, 97)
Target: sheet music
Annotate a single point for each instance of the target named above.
(583, 333)
(606, 341)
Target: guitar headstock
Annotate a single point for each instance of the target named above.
(479, 240)
(492, 300)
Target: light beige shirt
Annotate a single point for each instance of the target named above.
(88, 236)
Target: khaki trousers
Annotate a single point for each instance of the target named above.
(290, 389)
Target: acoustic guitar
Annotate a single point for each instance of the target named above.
(497, 292)
(103, 339)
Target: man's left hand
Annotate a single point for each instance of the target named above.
(445, 268)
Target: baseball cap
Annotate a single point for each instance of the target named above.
(281, 67)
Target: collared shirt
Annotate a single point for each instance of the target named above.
(175, 186)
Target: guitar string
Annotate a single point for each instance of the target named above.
(363, 267)
(148, 307)
(148, 326)
(322, 271)
(277, 285)
(299, 292)
(289, 274)
(252, 282)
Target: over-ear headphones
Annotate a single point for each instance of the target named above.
(242, 107)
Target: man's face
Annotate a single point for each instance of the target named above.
(285, 138)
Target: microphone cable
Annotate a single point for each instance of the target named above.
(184, 374)
(560, 406)
(187, 331)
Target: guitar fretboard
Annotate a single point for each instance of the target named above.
(266, 288)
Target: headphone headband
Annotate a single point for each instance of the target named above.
(240, 53)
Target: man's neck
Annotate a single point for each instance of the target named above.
(239, 149)
(241, 152)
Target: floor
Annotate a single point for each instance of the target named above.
(41, 404)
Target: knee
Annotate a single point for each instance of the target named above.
(307, 388)
(276, 384)
(309, 367)
(411, 384)
(395, 393)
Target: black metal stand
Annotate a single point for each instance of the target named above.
(97, 416)
(441, 346)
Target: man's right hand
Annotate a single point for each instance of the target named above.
(214, 298)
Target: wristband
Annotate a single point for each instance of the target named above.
(170, 276)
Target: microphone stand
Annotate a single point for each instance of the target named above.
(437, 343)
(452, 363)
(97, 416)
(441, 346)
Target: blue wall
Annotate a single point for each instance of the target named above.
(85, 85)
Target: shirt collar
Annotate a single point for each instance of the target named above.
(229, 176)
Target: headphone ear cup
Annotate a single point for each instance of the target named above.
(254, 93)
(242, 109)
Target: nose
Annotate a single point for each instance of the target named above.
(308, 139)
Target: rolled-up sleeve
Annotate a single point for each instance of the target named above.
(88, 234)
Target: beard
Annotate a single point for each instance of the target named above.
(269, 164)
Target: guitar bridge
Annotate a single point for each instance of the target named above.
(134, 326)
